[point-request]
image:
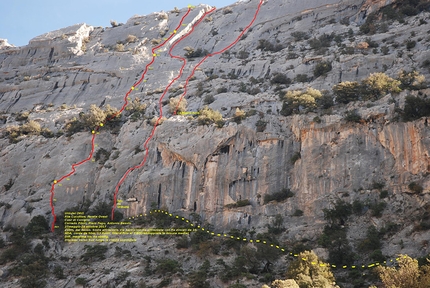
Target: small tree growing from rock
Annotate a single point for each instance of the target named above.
(322, 68)
(374, 86)
(94, 117)
(177, 105)
(208, 116)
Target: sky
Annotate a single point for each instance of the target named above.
(22, 20)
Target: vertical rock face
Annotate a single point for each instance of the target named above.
(201, 169)
(236, 163)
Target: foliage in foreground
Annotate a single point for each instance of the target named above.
(408, 274)
(309, 271)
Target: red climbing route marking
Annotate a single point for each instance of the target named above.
(93, 132)
(127, 98)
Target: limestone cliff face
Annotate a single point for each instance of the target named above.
(201, 169)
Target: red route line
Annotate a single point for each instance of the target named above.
(218, 52)
(57, 181)
(145, 145)
(160, 105)
(183, 94)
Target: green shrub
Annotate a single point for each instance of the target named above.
(31, 127)
(182, 242)
(377, 185)
(81, 281)
(261, 125)
(32, 281)
(311, 272)
(415, 187)
(296, 156)
(239, 203)
(385, 50)
(347, 50)
(7, 188)
(103, 208)
(352, 116)
(251, 112)
(23, 116)
(302, 99)
(239, 115)
(371, 43)
(377, 85)
(208, 116)
(9, 255)
(415, 108)
(325, 101)
(383, 194)
(131, 39)
(221, 90)
(119, 47)
(94, 118)
(322, 68)
(377, 208)
(122, 276)
(242, 54)
(346, 92)
(300, 35)
(73, 126)
(411, 80)
(357, 207)
(197, 279)
(377, 255)
(341, 211)
(265, 45)
(298, 213)
(94, 253)
(209, 99)
(177, 105)
(426, 64)
(278, 196)
(155, 41)
(102, 155)
(410, 44)
(292, 55)
(47, 133)
(424, 225)
(220, 123)
(368, 28)
(165, 266)
(227, 10)
(199, 237)
(372, 241)
(59, 272)
(197, 53)
(302, 78)
(321, 43)
(211, 77)
(136, 109)
(279, 78)
(37, 226)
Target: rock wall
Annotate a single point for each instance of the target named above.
(201, 169)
